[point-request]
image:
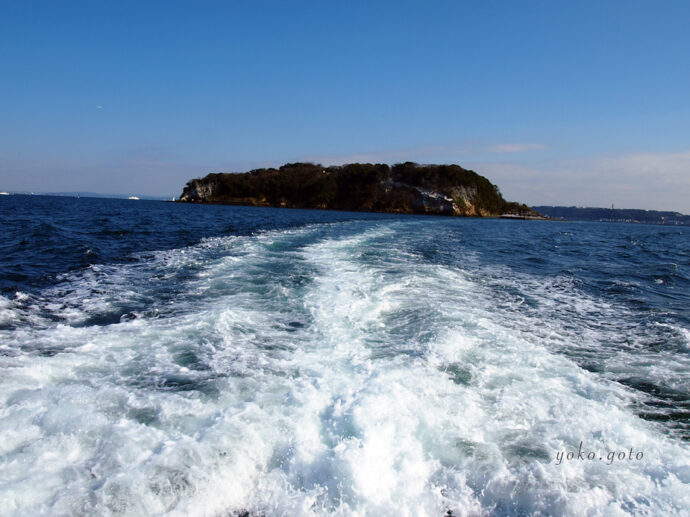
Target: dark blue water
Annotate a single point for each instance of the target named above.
(322, 362)
(45, 236)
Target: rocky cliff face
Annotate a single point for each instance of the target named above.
(458, 201)
(198, 191)
(403, 188)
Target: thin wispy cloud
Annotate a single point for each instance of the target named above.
(515, 148)
(146, 157)
(659, 181)
(661, 168)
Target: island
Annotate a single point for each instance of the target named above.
(402, 188)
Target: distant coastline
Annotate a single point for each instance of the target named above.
(80, 194)
(617, 215)
(512, 210)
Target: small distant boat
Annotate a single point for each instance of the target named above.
(4, 193)
(133, 197)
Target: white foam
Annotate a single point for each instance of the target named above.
(686, 337)
(294, 374)
(7, 314)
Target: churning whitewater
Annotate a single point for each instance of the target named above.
(383, 366)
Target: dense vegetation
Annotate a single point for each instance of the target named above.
(404, 187)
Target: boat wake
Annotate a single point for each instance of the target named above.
(324, 370)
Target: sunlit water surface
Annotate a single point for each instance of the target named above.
(158, 358)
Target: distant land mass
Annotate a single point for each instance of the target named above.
(622, 215)
(402, 188)
(91, 194)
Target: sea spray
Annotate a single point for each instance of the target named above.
(380, 366)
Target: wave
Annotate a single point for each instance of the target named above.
(324, 370)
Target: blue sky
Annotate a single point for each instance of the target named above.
(584, 103)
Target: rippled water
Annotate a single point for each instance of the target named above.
(202, 360)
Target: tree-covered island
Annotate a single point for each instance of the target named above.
(402, 188)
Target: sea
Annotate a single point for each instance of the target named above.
(159, 358)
